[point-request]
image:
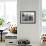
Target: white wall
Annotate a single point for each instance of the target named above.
(29, 31)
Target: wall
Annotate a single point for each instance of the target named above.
(29, 31)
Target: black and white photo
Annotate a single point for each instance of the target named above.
(27, 17)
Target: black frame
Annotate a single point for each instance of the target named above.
(28, 22)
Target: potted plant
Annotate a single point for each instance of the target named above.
(1, 22)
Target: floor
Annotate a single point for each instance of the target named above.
(2, 43)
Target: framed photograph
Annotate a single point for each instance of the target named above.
(27, 17)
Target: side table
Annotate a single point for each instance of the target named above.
(1, 34)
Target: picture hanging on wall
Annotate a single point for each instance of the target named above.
(27, 17)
